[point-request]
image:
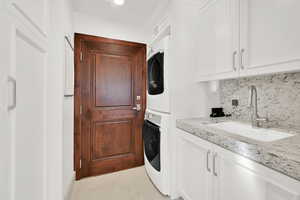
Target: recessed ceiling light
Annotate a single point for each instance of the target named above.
(119, 2)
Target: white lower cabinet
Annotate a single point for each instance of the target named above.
(234, 181)
(208, 172)
(195, 179)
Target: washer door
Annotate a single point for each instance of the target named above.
(151, 137)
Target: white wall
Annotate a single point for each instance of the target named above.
(68, 147)
(55, 104)
(60, 110)
(68, 115)
(92, 25)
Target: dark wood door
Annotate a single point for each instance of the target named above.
(110, 84)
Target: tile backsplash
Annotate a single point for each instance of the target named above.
(278, 98)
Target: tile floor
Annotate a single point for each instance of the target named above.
(132, 184)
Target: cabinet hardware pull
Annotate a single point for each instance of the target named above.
(214, 164)
(233, 60)
(14, 83)
(242, 59)
(207, 161)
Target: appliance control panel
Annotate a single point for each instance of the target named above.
(156, 119)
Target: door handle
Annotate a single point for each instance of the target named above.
(233, 60)
(214, 164)
(207, 161)
(137, 107)
(14, 93)
(242, 58)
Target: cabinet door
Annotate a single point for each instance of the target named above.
(23, 174)
(235, 182)
(194, 178)
(218, 39)
(5, 132)
(269, 36)
(236, 178)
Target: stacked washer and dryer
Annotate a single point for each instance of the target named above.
(157, 118)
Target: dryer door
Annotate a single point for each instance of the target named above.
(156, 74)
(151, 137)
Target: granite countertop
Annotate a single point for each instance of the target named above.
(281, 155)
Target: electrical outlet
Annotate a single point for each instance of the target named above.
(235, 102)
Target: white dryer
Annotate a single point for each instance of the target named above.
(158, 98)
(155, 136)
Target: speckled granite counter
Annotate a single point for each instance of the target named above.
(281, 155)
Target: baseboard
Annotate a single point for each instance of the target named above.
(70, 189)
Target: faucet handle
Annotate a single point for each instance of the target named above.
(262, 121)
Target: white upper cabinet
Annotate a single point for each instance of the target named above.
(248, 37)
(270, 36)
(218, 39)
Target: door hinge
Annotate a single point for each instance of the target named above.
(81, 56)
(80, 110)
(80, 164)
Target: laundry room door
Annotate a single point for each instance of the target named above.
(110, 104)
(23, 52)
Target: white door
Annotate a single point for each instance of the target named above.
(5, 133)
(218, 39)
(194, 172)
(269, 36)
(23, 138)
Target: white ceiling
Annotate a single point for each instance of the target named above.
(135, 13)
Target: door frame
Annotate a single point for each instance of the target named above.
(78, 56)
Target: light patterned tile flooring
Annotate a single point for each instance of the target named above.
(132, 184)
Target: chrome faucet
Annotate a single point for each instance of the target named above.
(255, 119)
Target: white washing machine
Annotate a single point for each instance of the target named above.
(155, 136)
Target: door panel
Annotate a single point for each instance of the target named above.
(120, 132)
(111, 77)
(113, 81)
